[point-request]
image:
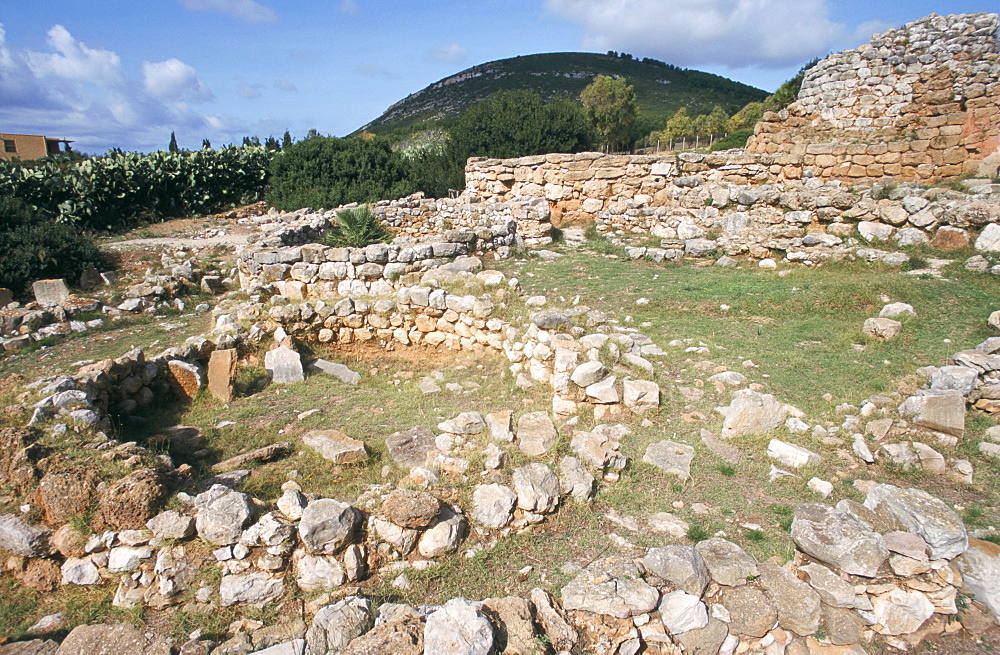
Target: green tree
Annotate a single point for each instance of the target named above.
(286, 140)
(173, 143)
(609, 105)
(326, 172)
(679, 126)
(747, 117)
(788, 92)
(717, 121)
(206, 144)
(515, 124)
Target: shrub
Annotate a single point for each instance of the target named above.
(735, 139)
(436, 172)
(516, 124)
(36, 248)
(121, 188)
(326, 172)
(356, 228)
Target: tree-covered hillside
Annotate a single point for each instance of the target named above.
(660, 89)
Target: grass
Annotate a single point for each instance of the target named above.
(801, 331)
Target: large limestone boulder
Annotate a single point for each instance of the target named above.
(410, 448)
(612, 586)
(752, 412)
(537, 488)
(751, 612)
(445, 535)
(120, 639)
(943, 411)
(256, 589)
(670, 457)
(727, 563)
(222, 514)
(335, 446)
(916, 511)
(459, 627)
(334, 626)
(536, 434)
(980, 569)
(328, 525)
(22, 539)
(798, 605)
(681, 566)
(493, 505)
(838, 539)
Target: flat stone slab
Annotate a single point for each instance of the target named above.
(336, 446)
(339, 371)
(670, 457)
(410, 448)
(50, 292)
(284, 365)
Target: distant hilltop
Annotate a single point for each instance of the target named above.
(661, 89)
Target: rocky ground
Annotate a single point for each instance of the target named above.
(543, 469)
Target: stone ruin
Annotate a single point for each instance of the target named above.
(886, 571)
(918, 103)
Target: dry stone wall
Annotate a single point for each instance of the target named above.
(577, 187)
(313, 270)
(917, 103)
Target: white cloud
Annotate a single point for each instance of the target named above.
(449, 54)
(349, 7)
(247, 10)
(70, 90)
(73, 60)
(248, 90)
(733, 33)
(285, 85)
(375, 70)
(173, 80)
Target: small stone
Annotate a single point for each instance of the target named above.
(682, 612)
(409, 508)
(790, 454)
(338, 371)
(171, 524)
(884, 329)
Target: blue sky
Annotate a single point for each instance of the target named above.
(125, 74)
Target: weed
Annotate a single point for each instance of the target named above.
(992, 538)
(757, 536)
(727, 469)
(883, 190)
(697, 532)
(974, 517)
(784, 515)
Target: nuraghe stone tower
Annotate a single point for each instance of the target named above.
(917, 103)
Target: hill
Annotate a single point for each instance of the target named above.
(660, 88)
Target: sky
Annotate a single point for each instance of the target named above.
(126, 73)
